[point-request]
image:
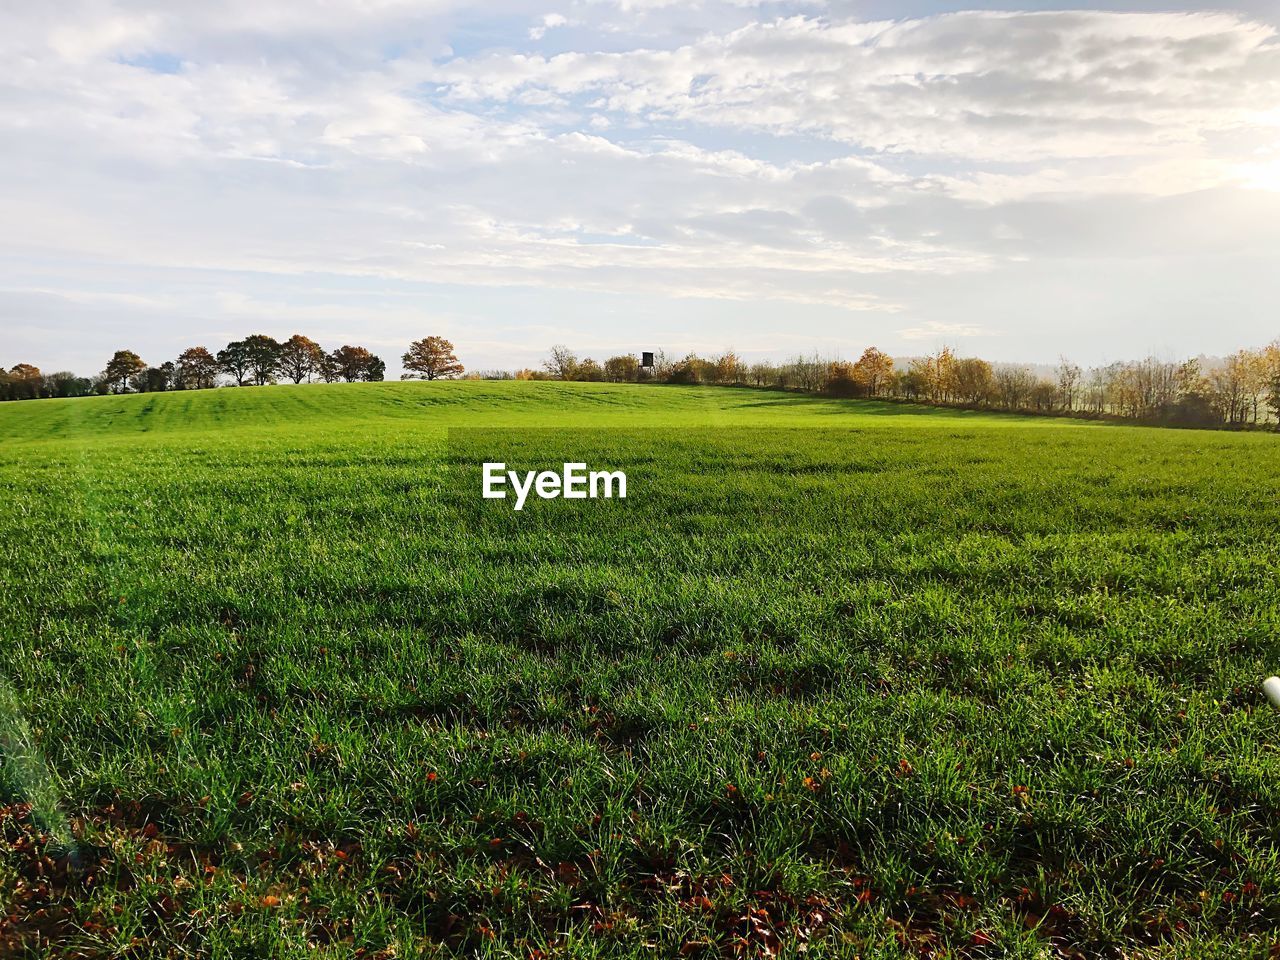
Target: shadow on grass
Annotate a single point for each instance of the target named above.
(843, 405)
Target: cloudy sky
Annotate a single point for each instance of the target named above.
(1022, 181)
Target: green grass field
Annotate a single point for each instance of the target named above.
(837, 679)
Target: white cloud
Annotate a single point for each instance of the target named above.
(549, 22)
(983, 86)
(856, 169)
(934, 330)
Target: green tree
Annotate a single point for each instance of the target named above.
(1271, 364)
(264, 358)
(122, 368)
(25, 382)
(64, 383)
(623, 369)
(156, 379)
(235, 362)
(197, 369)
(431, 358)
(327, 368)
(692, 369)
(1273, 397)
(300, 357)
(352, 363)
(588, 369)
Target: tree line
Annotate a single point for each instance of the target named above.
(1240, 391)
(257, 360)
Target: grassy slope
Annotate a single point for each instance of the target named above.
(872, 677)
(431, 407)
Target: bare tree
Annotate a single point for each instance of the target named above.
(1069, 375)
(562, 363)
(1014, 386)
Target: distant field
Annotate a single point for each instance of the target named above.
(838, 678)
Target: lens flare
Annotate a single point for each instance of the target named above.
(24, 774)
